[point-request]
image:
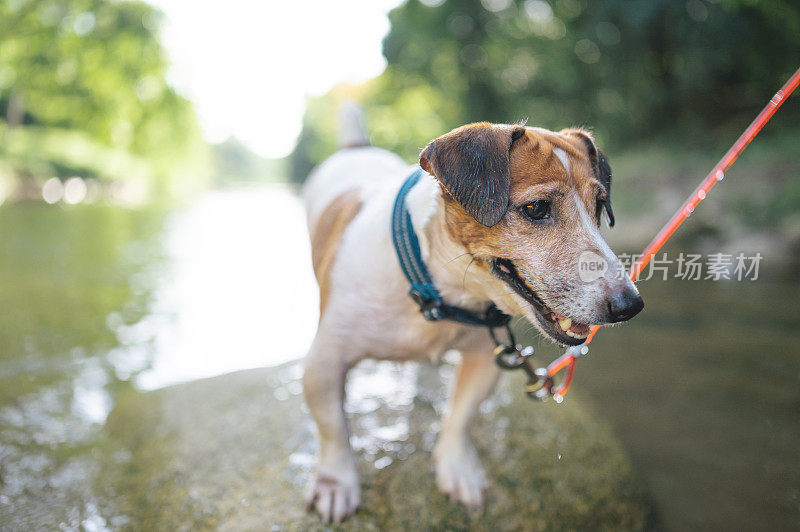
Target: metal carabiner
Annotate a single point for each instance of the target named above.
(509, 355)
(541, 384)
(513, 356)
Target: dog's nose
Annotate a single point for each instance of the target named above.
(624, 305)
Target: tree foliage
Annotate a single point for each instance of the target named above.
(94, 72)
(627, 68)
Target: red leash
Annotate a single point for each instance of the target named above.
(570, 359)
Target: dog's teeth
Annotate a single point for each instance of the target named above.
(575, 335)
(565, 323)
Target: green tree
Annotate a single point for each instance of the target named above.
(93, 73)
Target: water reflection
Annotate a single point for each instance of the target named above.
(240, 292)
(100, 299)
(62, 271)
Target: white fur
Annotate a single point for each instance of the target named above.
(369, 314)
(368, 285)
(367, 169)
(562, 156)
(613, 274)
(352, 131)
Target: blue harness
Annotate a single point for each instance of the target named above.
(423, 291)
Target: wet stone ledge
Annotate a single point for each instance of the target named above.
(235, 452)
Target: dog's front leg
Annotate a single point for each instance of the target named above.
(334, 491)
(458, 470)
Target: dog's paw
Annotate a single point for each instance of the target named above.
(333, 498)
(459, 473)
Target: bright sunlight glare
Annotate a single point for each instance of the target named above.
(248, 66)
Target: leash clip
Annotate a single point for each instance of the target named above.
(513, 356)
(540, 386)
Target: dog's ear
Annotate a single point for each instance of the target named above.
(601, 169)
(603, 174)
(472, 164)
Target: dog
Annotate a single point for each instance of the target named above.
(502, 214)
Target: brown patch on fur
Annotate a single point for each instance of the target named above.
(326, 236)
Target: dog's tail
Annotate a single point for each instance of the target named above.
(352, 131)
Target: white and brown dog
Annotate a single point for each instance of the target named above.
(502, 215)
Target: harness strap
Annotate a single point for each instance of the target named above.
(423, 290)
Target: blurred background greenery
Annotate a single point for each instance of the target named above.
(83, 86)
(83, 92)
(671, 72)
(666, 87)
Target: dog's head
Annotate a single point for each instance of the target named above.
(527, 203)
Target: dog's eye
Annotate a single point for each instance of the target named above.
(537, 210)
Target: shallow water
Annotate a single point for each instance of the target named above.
(704, 390)
(101, 302)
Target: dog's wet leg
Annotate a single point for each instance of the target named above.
(334, 491)
(458, 470)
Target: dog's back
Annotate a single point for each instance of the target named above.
(364, 168)
(356, 166)
(340, 186)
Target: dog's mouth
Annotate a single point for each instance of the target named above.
(562, 329)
